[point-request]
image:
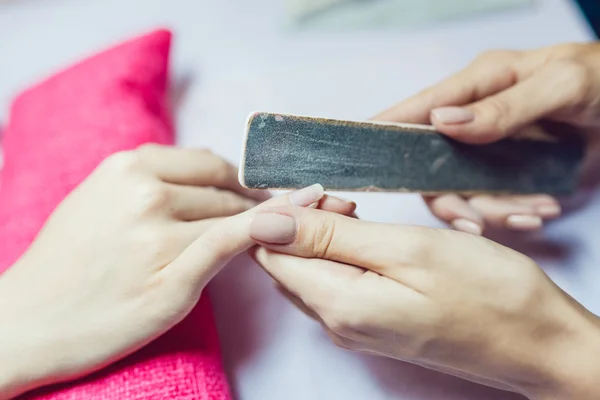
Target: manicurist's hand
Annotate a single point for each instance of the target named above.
(124, 258)
(450, 301)
(498, 95)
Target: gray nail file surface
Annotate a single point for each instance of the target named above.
(289, 152)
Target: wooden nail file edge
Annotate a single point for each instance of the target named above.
(533, 134)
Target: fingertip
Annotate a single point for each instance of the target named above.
(470, 132)
(464, 225)
(304, 197)
(443, 116)
(549, 211)
(307, 196)
(259, 254)
(337, 205)
(456, 132)
(451, 207)
(524, 222)
(522, 213)
(545, 199)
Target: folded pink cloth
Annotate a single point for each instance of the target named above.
(58, 132)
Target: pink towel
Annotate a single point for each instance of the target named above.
(58, 132)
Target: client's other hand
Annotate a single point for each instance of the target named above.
(123, 259)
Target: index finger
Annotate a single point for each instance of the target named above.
(311, 233)
(314, 281)
(196, 167)
(229, 237)
(480, 79)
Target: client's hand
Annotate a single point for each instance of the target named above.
(121, 260)
(498, 95)
(446, 300)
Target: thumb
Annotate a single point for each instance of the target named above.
(311, 233)
(548, 91)
(224, 240)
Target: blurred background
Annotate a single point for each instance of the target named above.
(332, 58)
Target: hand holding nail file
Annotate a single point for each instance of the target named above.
(289, 152)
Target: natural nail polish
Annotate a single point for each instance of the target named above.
(524, 222)
(453, 115)
(307, 196)
(273, 228)
(343, 199)
(465, 225)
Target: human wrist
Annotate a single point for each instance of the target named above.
(22, 365)
(13, 374)
(572, 364)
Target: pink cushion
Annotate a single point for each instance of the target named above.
(58, 132)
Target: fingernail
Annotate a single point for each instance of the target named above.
(453, 115)
(273, 228)
(548, 211)
(524, 222)
(307, 196)
(343, 199)
(465, 225)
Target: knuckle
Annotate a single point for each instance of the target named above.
(223, 170)
(155, 243)
(497, 109)
(216, 242)
(572, 50)
(341, 317)
(151, 196)
(444, 206)
(495, 114)
(322, 238)
(205, 152)
(418, 246)
(122, 162)
(577, 77)
(149, 148)
(494, 56)
(220, 170)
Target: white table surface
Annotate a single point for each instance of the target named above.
(237, 59)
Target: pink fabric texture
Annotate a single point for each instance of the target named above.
(58, 132)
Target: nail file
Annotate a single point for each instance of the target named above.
(283, 152)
